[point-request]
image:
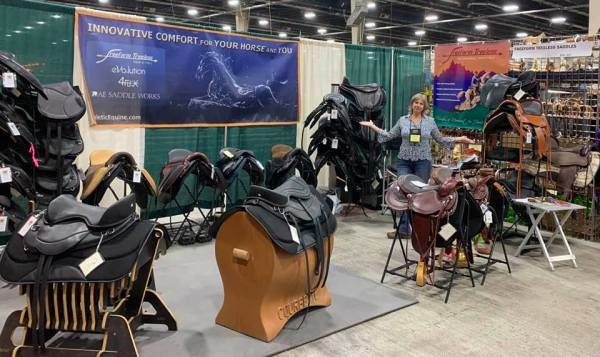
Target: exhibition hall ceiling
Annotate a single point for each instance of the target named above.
(389, 23)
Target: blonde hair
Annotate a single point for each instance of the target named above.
(422, 98)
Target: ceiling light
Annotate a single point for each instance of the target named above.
(510, 7)
(192, 12)
(56, 16)
(40, 22)
(17, 31)
(233, 3)
(263, 22)
(420, 32)
(28, 27)
(282, 34)
(461, 39)
(412, 43)
(159, 19)
(226, 27)
(481, 27)
(322, 31)
(103, 1)
(370, 37)
(431, 17)
(371, 5)
(558, 20)
(330, 40)
(310, 15)
(521, 34)
(370, 24)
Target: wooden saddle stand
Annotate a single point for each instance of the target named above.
(112, 309)
(264, 286)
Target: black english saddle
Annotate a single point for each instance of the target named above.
(25, 80)
(284, 163)
(233, 161)
(293, 204)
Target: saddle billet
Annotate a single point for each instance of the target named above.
(25, 78)
(105, 167)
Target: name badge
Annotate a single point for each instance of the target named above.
(415, 136)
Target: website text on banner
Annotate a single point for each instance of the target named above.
(459, 74)
(144, 74)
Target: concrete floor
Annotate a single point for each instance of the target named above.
(531, 312)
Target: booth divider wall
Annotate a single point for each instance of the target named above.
(48, 50)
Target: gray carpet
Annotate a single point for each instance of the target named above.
(189, 282)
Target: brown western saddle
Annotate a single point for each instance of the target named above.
(105, 167)
(428, 207)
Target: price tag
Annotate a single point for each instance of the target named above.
(91, 263)
(3, 223)
(334, 114)
(9, 80)
(5, 175)
(334, 143)
(346, 188)
(137, 176)
(487, 218)
(447, 231)
(294, 233)
(528, 138)
(212, 172)
(228, 154)
(519, 94)
(324, 142)
(13, 128)
(379, 174)
(375, 184)
(27, 226)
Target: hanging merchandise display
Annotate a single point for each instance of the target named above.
(461, 70)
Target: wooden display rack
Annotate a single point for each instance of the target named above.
(264, 286)
(112, 309)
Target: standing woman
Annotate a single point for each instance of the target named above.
(416, 129)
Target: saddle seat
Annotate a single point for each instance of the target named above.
(64, 103)
(66, 208)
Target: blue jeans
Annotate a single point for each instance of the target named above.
(421, 168)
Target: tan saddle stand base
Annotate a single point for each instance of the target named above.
(264, 286)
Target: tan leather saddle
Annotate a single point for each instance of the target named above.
(105, 167)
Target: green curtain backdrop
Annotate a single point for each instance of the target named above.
(159, 142)
(41, 36)
(409, 79)
(366, 64)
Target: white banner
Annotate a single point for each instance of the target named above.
(553, 49)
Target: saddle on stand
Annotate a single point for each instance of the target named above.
(273, 254)
(83, 269)
(107, 166)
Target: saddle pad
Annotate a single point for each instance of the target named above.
(63, 102)
(120, 254)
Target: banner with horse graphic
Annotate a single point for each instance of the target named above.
(139, 73)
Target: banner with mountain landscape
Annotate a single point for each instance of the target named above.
(459, 73)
